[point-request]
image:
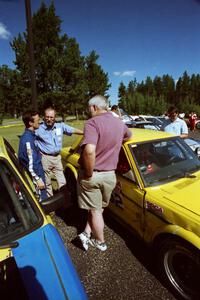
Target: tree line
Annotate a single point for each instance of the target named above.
(154, 96)
(63, 76)
(68, 79)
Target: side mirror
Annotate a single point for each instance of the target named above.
(53, 203)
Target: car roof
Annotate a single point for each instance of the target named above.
(138, 135)
(143, 122)
(144, 135)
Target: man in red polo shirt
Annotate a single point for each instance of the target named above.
(103, 137)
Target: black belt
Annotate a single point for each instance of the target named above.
(50, 154)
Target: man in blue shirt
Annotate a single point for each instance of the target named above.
(29, 155)
(174, 124)
(49, 140)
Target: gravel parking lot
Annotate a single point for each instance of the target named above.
(124, 271)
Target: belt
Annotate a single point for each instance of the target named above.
(102, 170)
(50, 154)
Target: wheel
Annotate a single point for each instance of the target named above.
(198, 125)
(179, 267)
(71, 185)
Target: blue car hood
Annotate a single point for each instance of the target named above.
(46, 268)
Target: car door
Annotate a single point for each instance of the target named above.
(31, 247)
(128, 197)
(18, 218)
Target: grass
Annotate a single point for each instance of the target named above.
(11, 133)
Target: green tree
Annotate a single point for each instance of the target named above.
(48, 51)
(158, 87)
(7, 103)
(73, 72)
(122, 94)
(63, 76)
(168, 89)
(96, 78)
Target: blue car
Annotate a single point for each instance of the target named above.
(34, 263)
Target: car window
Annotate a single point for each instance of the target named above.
(164, 161)
(18, 214)
(124, 168)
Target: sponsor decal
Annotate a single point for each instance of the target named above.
(154, 208)
(116, 197)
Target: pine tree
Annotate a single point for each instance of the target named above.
(97, 79)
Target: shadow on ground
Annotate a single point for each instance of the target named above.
(141, 251)
(73, 216)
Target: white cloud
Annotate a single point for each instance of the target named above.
(129, 73)
(116, 73)
(4, 33)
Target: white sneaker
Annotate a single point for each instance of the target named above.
(84, 240)
(98, 245)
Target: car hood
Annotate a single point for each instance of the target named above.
(184, 193)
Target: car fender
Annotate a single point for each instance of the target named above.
(177, 231)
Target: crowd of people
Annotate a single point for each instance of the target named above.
(39, 153)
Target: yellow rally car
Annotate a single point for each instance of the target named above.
(157, 196)
(34, 263)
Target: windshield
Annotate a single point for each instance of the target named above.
(154, 120)
(164, 161)
(18, 214)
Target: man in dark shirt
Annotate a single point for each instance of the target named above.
(29, 155)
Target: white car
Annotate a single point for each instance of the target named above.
(194, 145)
(157, 120)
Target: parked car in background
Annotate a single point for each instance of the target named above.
(34, 263)
(145, 125)
(126, 118)
(156, 197)
(155, 120)
(197, 124)
(194, 145)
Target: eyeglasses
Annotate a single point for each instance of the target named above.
(47, 117)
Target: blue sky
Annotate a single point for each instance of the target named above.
(134, 38)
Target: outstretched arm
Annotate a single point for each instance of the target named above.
(78, 131)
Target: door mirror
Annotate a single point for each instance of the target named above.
(53, 203)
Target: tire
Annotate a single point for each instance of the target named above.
(71, 185)
(198, 125)
(179, 267)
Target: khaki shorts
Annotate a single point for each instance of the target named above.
(95, 193)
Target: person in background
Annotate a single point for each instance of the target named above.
(192, 121)
(174, 124)
(29, 154)
(49, 141)
(98, 160)
(116, 111)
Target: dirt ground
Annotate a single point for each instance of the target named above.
(125, 271)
